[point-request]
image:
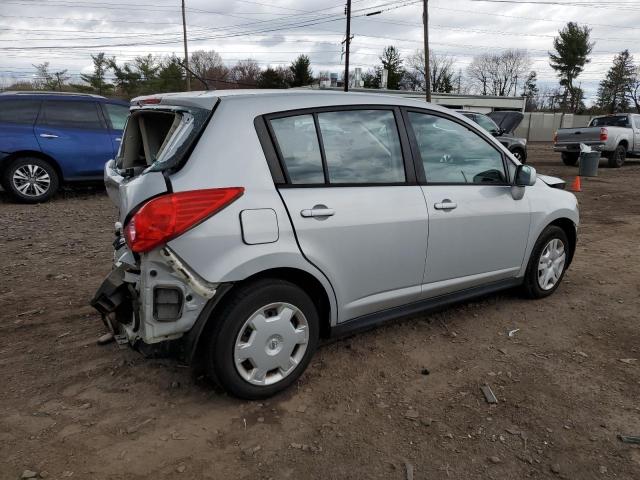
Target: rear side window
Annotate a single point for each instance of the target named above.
(351, 147)
(451, 153)
(19, 111)
(65, 114)
(117, 115)
(299, 148)
(362, 146)
(486, 123)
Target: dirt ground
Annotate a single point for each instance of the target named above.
(406, 393)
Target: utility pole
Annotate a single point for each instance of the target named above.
(347, 42)
(186, 51)
(427, 69)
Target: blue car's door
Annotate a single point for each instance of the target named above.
(116, 115)
(75, 134)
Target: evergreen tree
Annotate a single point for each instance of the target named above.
(301, 71)
(274, 78)
(97, 80)
(572, 50)
(614, 92)
(392, 63)
(531, 91)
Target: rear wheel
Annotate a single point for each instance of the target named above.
(263, 340)
(547, 263)
(570, 159)
(617, 157)
(31, 180)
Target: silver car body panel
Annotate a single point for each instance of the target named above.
(384, 247)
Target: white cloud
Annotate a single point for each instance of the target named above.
(65, 32)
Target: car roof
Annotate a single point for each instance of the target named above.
(46, 95)
(270, 100)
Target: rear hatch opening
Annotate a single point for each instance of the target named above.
(159, 138)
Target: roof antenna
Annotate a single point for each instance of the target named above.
(206, 86)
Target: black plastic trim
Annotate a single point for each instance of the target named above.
(191, 339)
(270, 153)
(429, 305)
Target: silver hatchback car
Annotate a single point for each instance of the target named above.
(254, 223)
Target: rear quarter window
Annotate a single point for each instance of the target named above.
(23, 112)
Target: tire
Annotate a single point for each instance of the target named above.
(267, 344)
(520, 154)
(570, 159)
(31, 180)
(534, 286)
(617, 157)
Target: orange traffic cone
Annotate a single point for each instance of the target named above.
(575, 186)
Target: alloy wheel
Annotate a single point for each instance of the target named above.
(551, 264)
(271, 343)
(31, 180)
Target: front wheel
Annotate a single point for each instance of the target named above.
(31, 180)
(264, 339)
(547, 263)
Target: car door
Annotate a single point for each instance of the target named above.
(358, 214)
(636, 132)
(478, 232)
(116, 115)
(74, 133)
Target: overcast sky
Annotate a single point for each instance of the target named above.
(66, 32)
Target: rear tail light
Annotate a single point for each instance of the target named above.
(604, 134)
(164, 218)
(555, 137)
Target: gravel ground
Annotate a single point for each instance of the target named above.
(404, 394)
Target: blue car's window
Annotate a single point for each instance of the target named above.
(117, 115)
(19, 111)
(65, 114)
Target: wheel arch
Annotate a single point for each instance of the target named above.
(321, 298)
(569, 229)
(6, 161)
(625, 143)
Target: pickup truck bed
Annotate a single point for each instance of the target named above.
(615, 136)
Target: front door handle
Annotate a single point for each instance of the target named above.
(48, 135)
(319, 211)
(117, 139)
(446, 204)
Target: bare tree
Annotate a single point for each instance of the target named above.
(443, 77)
(245, 73)
(498, 74)
(210, 67)
(634, 89)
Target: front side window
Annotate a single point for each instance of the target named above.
(117, 115)
(71, 114)
(362, 146)
(299, 147)
(451, 153)
(23, 112)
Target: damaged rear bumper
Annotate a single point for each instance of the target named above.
(153, 298)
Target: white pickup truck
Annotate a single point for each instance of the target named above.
(616, 136)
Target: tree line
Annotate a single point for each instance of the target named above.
(507, 73)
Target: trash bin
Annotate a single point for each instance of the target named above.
(589, 164)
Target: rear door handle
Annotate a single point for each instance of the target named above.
(48, 135)
(446, 204)
(318, 211)
(117, 139)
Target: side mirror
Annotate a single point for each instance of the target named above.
(525, 176)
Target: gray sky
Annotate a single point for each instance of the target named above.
(65, 32)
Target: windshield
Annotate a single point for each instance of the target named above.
(612, 121)
(486, 123)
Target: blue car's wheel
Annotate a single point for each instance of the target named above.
(31, 180)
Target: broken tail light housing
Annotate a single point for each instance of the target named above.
(169, 216)
(604, 134)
